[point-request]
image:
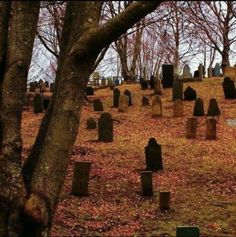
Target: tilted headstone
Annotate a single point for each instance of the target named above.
(91, 123)
(167, 75)
(152, 82)
(97, 105)
(186, 72)
(196, 74)
(187, 231)
(209, 72)
(128, 93)
(164, 201)
(191, 128)
(178, 108)
(229, 88)
(46, 103)
(198, 107)
(156, 106)
(211, 129)
(146, 181)
(105, 128)
(145, 101)
(89, 90)
(213, 108)
(144, 84)
(217, 70)
(116, 97)
(177, 90)
(38, 104)
(81, 178)
(190, 94)
(153, 155)
(123, 103)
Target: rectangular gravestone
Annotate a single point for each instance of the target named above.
(167, 75)
(187, 231)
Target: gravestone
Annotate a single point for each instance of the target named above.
(97, 105)
(196, 74)
(81, 178)
(209, 72)
(89, 90)
(152, 82)
(116, 97)
(105, 128)
(187, 231)
(157, 90)
(191, 128)
(186, 72)
(128, 93)
(144, 84)
(213, 108)
(146, 181)
(167, 75)
(190, 94)
(198, 107)
(156, 106)
(211, 129)
(178, 108)
(153, 155)
(117, 82)
(46, 102)
(145, 101)
(177, 90)
(229, 88)
(91, 123)
(164, 201)
(216, 71)
(38, 104)
(123, 103)
(201, 71)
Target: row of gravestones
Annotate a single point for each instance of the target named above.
(41, 86)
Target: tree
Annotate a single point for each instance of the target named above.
(29, 196)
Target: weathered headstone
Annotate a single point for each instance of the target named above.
(116, 97)
(91, 123)
(191, 128)
(123, 103)
(187, 231)
(178, 108)
(198, 107)
(156, 106)
(146, 181)
(164, 201)
(152, 82)
(209, 72)
(186, 72)
(128, 93)
(46, 102)
(38, 104)
(213, 108)
(81, 178)
(177, 90)
(201, 71)
(144, 84)
(229, 88)
(153, 155)
(196, 74)
(211, 129)
(105, 128)
(217, 70)
(89, 90)
(167, 75)
(190, 94)
(97, 105)
(145, 101)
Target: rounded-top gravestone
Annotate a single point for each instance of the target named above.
(213, 108)
(198, 107)
(229, 88)
(105, 128)
(97, 105)
(190, 94)
(91, 123)
(128, 93)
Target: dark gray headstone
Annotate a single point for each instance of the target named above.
(144, 84)
(91, 123)
(46, 103)
(38, 104)
(167, 75)
(116, 97)
(196, 74)
(198, 107)
(89, 90)
(190, 94)
(213, 108)
(97, 105)
(229, 88)
(153, 155)
(152, 82)
(177, 91)
(187, 231)
(217, 70)
(105, 128)
(128, 93)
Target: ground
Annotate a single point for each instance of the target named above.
(200, 174)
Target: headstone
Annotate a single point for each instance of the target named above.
(81, 178)
(164, 201)
(116, 97)
(89, 90)
(146, 181)
(211, 129)
(213, 108)
(156, 106)
(153, 155)
(187, 231)
(128, 93)
(144, 84)
(123, 104)
(209, 72)
(190, 94)
(152, 82)
(201, 71)
(186, 72)
(157, 90)
(167, 75)
(196, 74)
(117, 82)
(105, 128)
(217, 70)
(191, 128)
(97, 105)
(198, 107)
(145, 101)
(177, 90)
(38, 104)
(229, 88)
(178, 108)
(46, 102)
(91, 123)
